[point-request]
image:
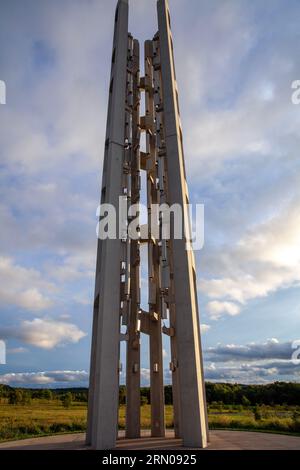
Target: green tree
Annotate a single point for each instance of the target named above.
(47, 394)
(257, 414)
(122, 395)
(16, 397)
(245, 401)
(67, 400)
(144, 400)
(296, 415)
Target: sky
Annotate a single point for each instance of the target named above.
(235, 62)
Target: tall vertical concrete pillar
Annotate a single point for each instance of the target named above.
(189, 362)
(104, 374)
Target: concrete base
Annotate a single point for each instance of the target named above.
(219, 440)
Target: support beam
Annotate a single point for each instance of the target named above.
(133, 382)
(155, 336)
(191, 381)
(104, 382)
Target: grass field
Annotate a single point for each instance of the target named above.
(42, 417)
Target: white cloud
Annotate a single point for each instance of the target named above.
(66, 99)
(23, 287)
(251, 363)
(52, 136)
(242, 141)
(145, 375)
(216, 309)
(264, 260)
(32, 299)
(231, 116)
(44, 333)
(44, 378)
(252, 373)
(73, 267)
(271, 349)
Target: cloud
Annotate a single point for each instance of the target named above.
(240, 126)
(74, 122)
(32, 299)
(271, 349)
(23, 287)
(44, 378)
(236, 104)
(264, 260)
(52, 135)
(73, 267)
(251, 363)
(216, 309)
(252, 373)
(44, 333)
(233, 373)
(145, 376)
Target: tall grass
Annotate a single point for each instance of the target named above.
(42, 417)
(285, 425)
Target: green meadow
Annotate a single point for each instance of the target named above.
(46, 417)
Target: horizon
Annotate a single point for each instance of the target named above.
(49, 387)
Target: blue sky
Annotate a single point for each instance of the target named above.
(235, 61)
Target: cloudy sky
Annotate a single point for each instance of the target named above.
(236, 61)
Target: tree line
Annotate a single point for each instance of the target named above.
(278, 393)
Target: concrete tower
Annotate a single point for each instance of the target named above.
(172, 292)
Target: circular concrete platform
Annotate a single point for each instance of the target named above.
(219, 440)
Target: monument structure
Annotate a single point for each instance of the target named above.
(146, 148)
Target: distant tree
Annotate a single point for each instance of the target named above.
(168, 395)
(4, 391)
(245, 401)
(296, 415)
(144, 401)
(122, 395)
(257, 414)
(67, 400)
(278, 395)
(47, 394)
(16, 397)
(145, 392)
(81, 396)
